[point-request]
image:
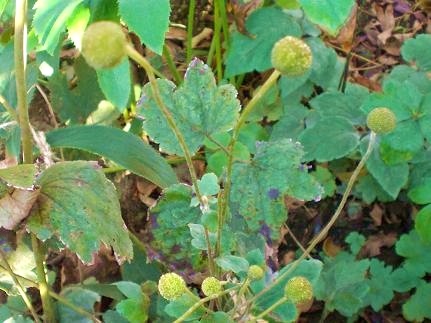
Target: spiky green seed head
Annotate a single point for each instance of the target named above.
(291, 56)
(381, 120)
(171, 286)
(298, 290)
(211, 286)
(255, 272)
(104, 44)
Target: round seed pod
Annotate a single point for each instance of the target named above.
(291, 56)
(381, 121)
(211, 286)
(104, 44)
(171, 286)
(298, 290)
(255, 273)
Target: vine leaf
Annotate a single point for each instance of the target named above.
(258, 188)
(80, 207)
(199, 107)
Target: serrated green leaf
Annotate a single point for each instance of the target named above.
(74, 106)
(123, 148)
(116, 84)
(416, 51)
(330, 138)
(356, 241)
(199, 107)
(22, 176)
(77, 23)
(326, 179)
(418, 307)
(416, 252)
(80, 297)
(381, 285)
(390, 178)
(104, 10)
(80, 207)
(232, 263)
(423, 224)
(333, 104)
(258, 188)
(50, 20)
(330, 15)
(402, 280)
(149, 19)
(253, 52)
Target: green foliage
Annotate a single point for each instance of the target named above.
(381, 285)
(416, 252)
(417, 308)
(267, 26)
(330, 15)
(19, 176)
(415, 51)
(423, 224)
(152, 29)
(79, 206)
(135, 307)
(199, 107)
(258, 188)
(233, 263)
(121, 147)
(79, 297)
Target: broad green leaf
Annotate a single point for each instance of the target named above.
(50, 20)
(337, 104)
(250, 133)
(418, 307)
(135, 307)
(199, 107)
(104, 10)
(330, 138)
(169, 220)
(416, 252)
(369, 190)
(381, 285)
(423, 224)
(253, 52)
(330, 14)
(326, 179)
(402, 280)
(21, 176)
(77, 23)
(416, 50)
(22, 263)
(74, 106)
(259, 187)
(181, 305)
(269, 106)
(232, 263)
(139, 270)
(113, 317)
(79, 297)
(149, 19)
(208, 184)
(420, 183)
(116, 84)
(80, 207)
(121, 147)
(291, 124)
(341, 284)
(390, 178)
(287, 312)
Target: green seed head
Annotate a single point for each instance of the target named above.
(104, 44)
(381, 120)
(291, 56)
(171, 286)
(211, 286)
(298, 290)
(255, 273)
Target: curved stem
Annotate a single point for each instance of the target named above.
(18, 285)
(322, 234)
(201, 302)
(242, 119)
(270, 309)
(138, 58)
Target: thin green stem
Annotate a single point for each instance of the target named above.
(270, 309)
(211, 51)
(224, 22)
(18, 285)
(201, 302)
(245, 113)
(133, 54)
(322, 234)
(8, 108)
(244, 287)
(216, 35)
(48, 309)
(20, 60)
(171, 65)
(190, 23)
(138, 242)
